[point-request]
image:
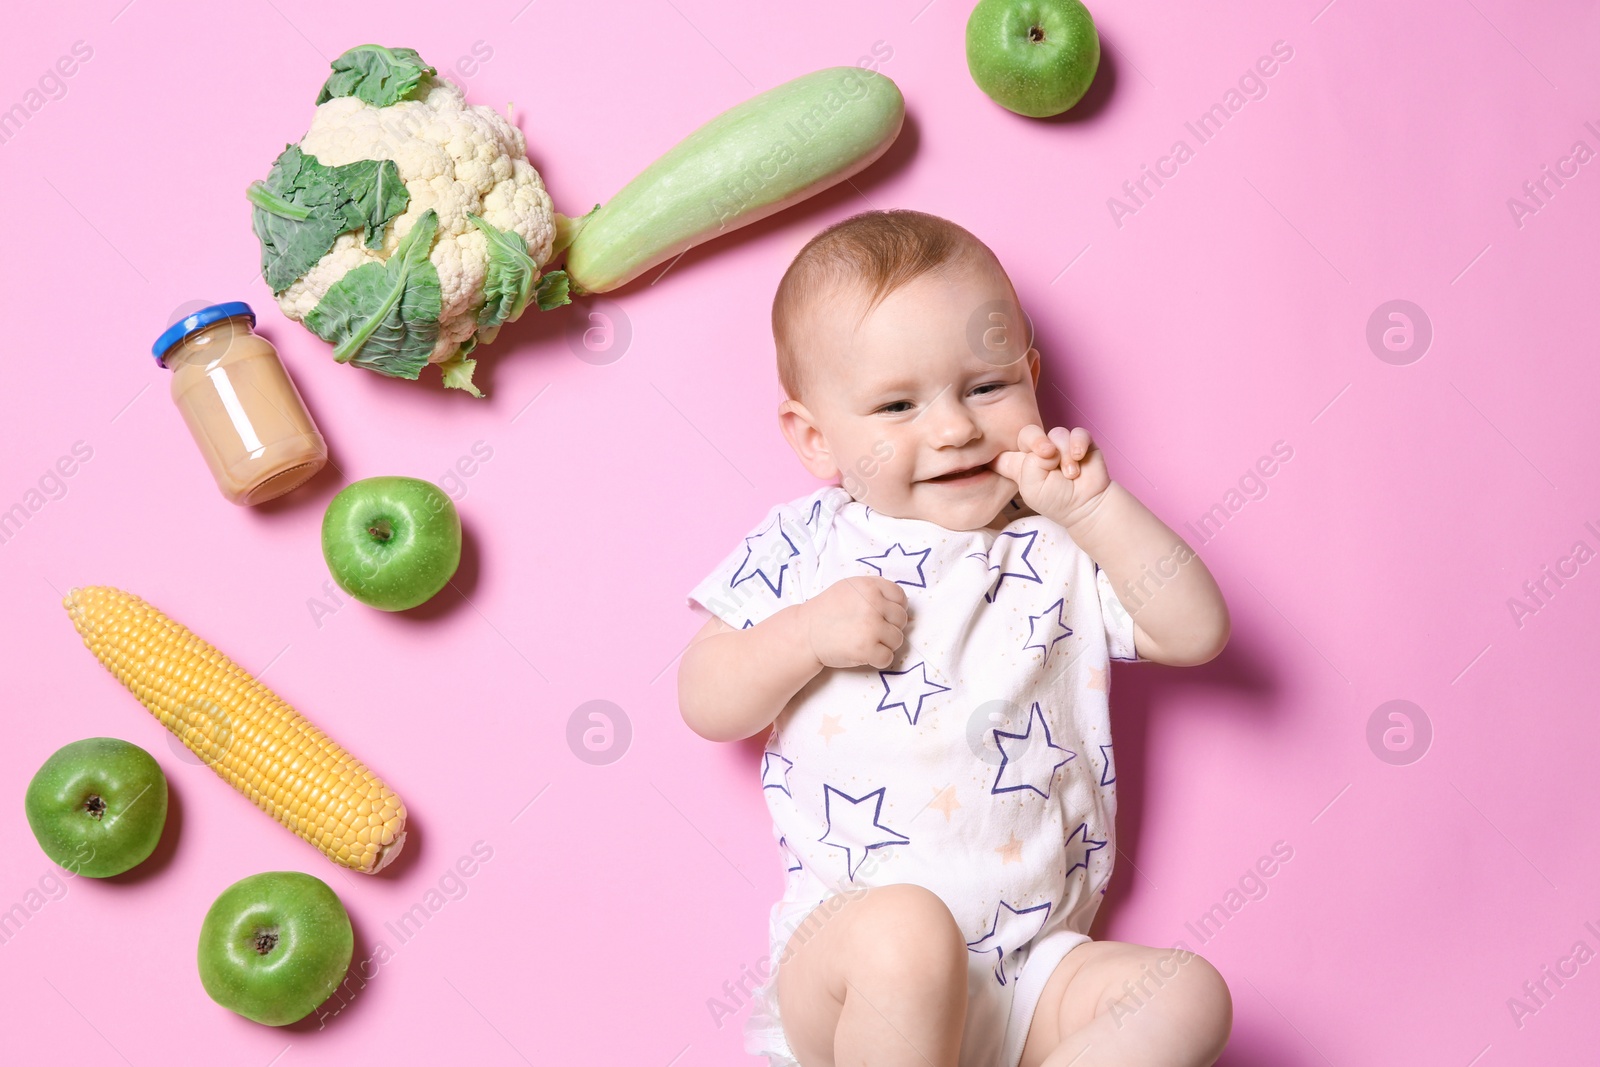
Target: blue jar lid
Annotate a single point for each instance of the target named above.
(172, 335)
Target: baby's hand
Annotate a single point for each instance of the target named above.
(857, 622)
(1059, 474)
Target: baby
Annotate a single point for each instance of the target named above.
(930, 643)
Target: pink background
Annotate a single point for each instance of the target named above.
(1228, 313)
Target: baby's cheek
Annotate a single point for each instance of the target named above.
(876, 471)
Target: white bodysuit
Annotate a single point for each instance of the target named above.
(978, 764)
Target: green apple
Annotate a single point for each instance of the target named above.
(391, 542)
(274, 945)
(97, 806)
(1034, 57)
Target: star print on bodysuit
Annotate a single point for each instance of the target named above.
(1003, 540)
(945, 800)
(855, 824)
(1047, 628)
(899, 566)
(765, 549)
(991, 941)
(1031, 764)
(775, 772)
(908, 689)
(1011, 851)
(1079, 847)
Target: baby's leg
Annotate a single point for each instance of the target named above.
(881, 981)
(1113, 1004)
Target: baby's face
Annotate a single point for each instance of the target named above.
(911, 407)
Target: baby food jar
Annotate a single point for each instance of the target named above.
(244, 412)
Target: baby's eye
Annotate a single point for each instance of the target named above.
(896, 408)
(988, 387)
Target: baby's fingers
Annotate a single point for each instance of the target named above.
(1074, 444)
(1081, 443)
(890, 591)
(1062, 439)
(1034, 439)
(1008, 465)
(890, 636)
(895, 615)
(880, 656)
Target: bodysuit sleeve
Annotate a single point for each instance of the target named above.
(1119, 624)
(774, 566)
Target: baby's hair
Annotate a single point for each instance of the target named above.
(873, 253)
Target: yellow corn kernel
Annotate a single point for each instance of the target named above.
(243, 730)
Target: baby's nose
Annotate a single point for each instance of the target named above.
(952, 423)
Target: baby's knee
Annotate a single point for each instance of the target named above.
(1206, 1005)
(906, 932)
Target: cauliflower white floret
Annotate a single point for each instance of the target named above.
(456, 158)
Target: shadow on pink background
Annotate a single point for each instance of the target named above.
(1220, 314)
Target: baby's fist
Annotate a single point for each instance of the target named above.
(1059, 474)
(857, 622)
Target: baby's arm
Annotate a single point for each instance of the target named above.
(1179, 616)
(733, 683)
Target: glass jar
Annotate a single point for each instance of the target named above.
(243, 411)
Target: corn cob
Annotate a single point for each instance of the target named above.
(242, 730)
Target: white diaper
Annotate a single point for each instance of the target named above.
(998, 1016)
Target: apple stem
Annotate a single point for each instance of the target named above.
(381, 530)
(96, 806)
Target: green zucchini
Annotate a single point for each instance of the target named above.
(754, 159)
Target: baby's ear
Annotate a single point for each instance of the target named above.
(801, 431)
(1034, 364)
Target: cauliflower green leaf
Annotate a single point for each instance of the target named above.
(380, 76)
(552, 290)
(385, 316)
(508, 283)
(303, 207)
(376, 195)
(458, 370)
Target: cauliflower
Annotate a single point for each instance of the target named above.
(407, 225)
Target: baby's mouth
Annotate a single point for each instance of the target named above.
(963, 476)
